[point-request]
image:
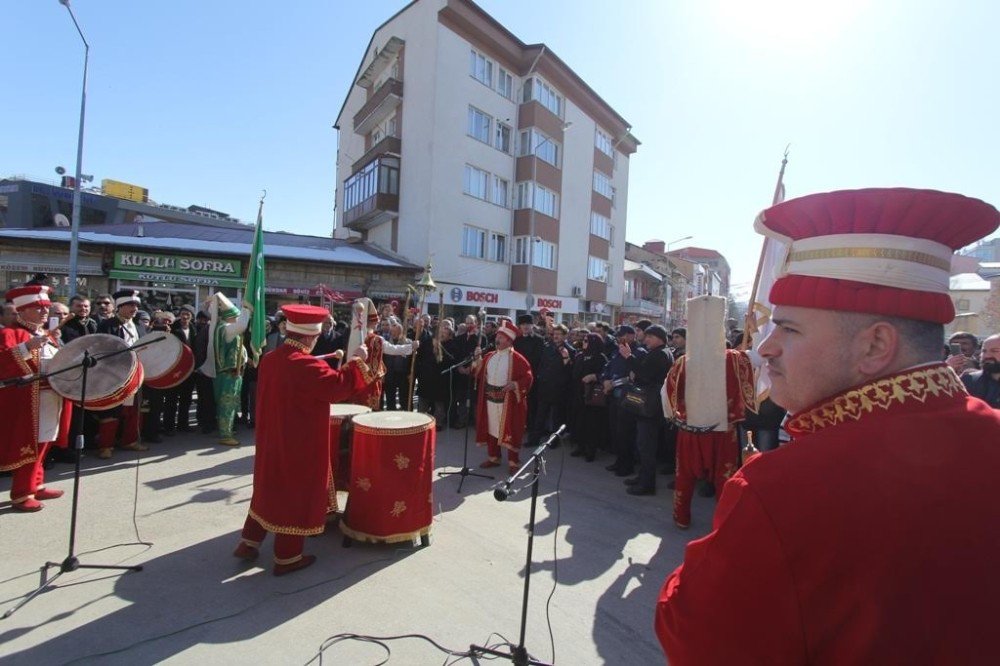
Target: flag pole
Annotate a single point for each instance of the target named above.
(779, 196)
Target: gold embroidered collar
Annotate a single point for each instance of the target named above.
(298, 345)
(915, 385)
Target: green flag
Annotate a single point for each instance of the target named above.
(254, 292)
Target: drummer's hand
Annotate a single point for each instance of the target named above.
(338, 355)
(477, 353)
(361, 353)
(35, 342)
(510, 386)
(416, 344)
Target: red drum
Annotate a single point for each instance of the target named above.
(340, 446)
(166, 362)
(392, 466)
(110, 382)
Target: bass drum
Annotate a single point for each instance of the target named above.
(163, 359)
(115, 376)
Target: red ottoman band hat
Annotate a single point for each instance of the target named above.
(304, 319)
(29, 296)
(878, 251)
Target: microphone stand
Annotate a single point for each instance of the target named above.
(519, 654)
(466, 470)
(72, 563)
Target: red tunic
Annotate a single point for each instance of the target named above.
(515, 404)
(292, 461)
(371, 394)
(19, 404)
(872, 538)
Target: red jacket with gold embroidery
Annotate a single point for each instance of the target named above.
(515, 405)
(740, 391)
(872, 538)
(19, 404)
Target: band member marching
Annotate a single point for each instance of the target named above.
(292, 458)
(504, 378)
(34, 416)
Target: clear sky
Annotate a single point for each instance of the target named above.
(210, 101)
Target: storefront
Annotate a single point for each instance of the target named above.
(461, 300)
(168, 281)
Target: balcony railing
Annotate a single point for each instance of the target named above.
(388, 145)
(371, 195)
(379, 106)
(643, 307)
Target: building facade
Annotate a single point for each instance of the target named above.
(462, 145)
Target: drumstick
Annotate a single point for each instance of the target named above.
(337, 354)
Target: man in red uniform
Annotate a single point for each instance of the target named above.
(292, 459)
(708, 391)
(34, 416)
(504, 378)
(872, 537)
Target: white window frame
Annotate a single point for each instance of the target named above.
(544, 255)
(603, 186)
(602, 142)
(600, 226)
(542, 146)
(480, 125)
(598, 270)
(505, 83)
(500, 192)
(497, 250)
(481, 68)
(503, 129)
(476, 182)
(473, 242)
(540, 91)
(530, 194)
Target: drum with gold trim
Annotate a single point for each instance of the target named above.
(166, 361)
(392, 466)
(110, 382)
(340, 440)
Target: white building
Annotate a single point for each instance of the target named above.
(462, 145)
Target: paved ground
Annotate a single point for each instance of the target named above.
(193, 602)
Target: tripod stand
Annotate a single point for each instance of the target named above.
(519, 654)
(72, 563)
(465, 471)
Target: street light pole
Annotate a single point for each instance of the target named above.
(74, 243)
(673, 242)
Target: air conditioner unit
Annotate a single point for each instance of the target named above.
(577, 291)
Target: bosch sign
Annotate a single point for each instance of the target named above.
(551, 303)
(482, 296)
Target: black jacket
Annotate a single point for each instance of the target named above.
(113, 326)
(530, 347)
(76, 328)
(651, 369)
(554, 372)
(981, 384)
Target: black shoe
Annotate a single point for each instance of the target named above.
(622, 472)
(631, 481)
(636, 490)
(706, 489)
(613, 467)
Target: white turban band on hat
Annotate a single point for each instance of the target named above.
(887, 260)
(303, 329)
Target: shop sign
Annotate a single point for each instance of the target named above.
(168, 263)
(503, 299)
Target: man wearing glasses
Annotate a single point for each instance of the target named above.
(105, 307)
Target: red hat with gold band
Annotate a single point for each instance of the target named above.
(304, 319)
(508, 329)
(29, 296)
(878, 251)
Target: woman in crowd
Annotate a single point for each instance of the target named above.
(588, 392)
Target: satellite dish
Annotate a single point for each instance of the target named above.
(60, 220)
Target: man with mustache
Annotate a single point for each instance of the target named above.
(985, 384)
(871, 538)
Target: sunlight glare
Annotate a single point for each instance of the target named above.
(794, 23)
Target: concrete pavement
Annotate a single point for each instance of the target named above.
(194, 602)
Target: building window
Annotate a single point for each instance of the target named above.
(603, 186)
(598, 269)
(479, 125)
(473, 242)
(501, 191)
(535, 143)
(505, 83)
(541, 92)
(603, 143)
(502, 140)
(498, 247)
(543, 255)
(380, 176)
(600, 226)
(545, 201)
(481, 68)
(477, 183)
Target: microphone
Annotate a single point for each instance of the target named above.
(502, 491)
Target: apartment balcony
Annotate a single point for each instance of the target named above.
(371, 194)
(378, 107)
(641, 306)
(390, 145)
